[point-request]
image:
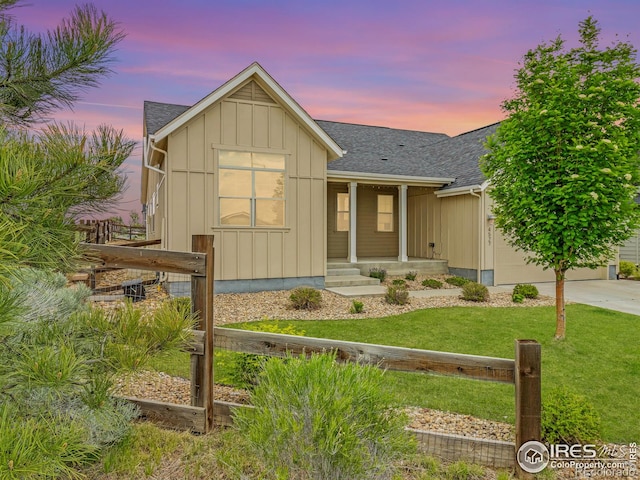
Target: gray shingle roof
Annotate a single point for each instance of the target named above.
(382, 150)
(157, 115)
(462, 155)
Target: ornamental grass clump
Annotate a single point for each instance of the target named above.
(397, 295)
(316, 419)
(475, 292)
(306, 298)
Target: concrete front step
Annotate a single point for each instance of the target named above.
(349, 281)
(335, 272)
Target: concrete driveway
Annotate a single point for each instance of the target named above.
(619, 295)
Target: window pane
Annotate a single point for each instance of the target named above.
(234, 159)
(385, 222)
(273, 161)
(269, 184)
(234, 183)
(235, 211)
(342, 223)
(385, 203)
(270, 213)
(343, 202)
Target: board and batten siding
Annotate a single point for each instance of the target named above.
(296, 250)
(630, 251)
(423, 218)
(369, 241)
(459, 231)
(337, 242)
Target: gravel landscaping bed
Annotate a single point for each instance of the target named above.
(241, 307)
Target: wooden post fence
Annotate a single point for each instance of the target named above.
(199, 416)
(524, 372)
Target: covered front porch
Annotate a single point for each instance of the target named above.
(391, 220)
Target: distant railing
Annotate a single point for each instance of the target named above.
(100, 232)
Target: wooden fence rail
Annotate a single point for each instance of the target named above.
(523, 372)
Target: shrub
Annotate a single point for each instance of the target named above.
(399, 282)
(397, 295)
(315, 419)
(526, 290)
(627, 269)
(245, 368)
(475, 292)
(457, 281)
(356, 307)
(568, 417)
(517, 298)
(411, 276)
(378, 272)
(306, 298)
(432, 283)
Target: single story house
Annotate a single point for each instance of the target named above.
(290, 199)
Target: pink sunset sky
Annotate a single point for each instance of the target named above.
(430, 65)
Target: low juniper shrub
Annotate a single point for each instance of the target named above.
(457, 281)
(399, 282)
(432, 283)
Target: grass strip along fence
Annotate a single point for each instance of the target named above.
(203, 413)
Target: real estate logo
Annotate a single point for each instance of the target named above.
(533, 457)
(586, 460)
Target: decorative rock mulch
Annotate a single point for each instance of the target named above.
(241, 307)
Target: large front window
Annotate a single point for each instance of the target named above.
(251, 189)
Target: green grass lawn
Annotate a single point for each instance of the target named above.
(600, 358)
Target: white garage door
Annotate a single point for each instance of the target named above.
(510, 267)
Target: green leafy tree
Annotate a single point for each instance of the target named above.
(41, 73)
(564, 165)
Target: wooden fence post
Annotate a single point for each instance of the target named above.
(202, 304)
(528, 394)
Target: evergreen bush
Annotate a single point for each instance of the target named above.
(432, 283)
(457, 281)
(627, 269)
(526, 290)
(569, 418)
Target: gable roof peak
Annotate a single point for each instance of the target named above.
(272, 87)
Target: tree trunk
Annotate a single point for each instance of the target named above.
(560, 313)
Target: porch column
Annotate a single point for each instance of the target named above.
(402, 223)
(353, 202)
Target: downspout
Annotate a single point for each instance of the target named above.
(480, 234)
(150, 144)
